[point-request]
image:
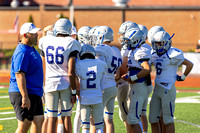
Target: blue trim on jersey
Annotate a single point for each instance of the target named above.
(45, 112)
(168, 55)
(67, 110)
(136, 110)
(108, 113)
(85, 122)
(59, 114)
(99, 123)
(170, 104)
(124, 108)
(52, 110)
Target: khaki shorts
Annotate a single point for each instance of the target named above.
(137, 96)
(52, 102)
(122, 101)
(109, 95)
(97, 112)
(144, 106)
(164, 100)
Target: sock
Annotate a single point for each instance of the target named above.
(60, 128)
(140, 123)
(77, 122)
(99, 130)
(85, 131)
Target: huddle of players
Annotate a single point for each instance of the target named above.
(103, 72)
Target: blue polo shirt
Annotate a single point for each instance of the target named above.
(27, 60)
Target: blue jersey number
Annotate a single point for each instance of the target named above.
(59, 58)
(115, 64)
(158, 68)
(92, 77)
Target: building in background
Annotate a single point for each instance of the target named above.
(180, 17)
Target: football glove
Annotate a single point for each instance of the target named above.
(180, 78)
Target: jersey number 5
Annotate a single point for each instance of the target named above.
(51, 54)
(115, 64)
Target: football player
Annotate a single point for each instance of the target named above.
(59, 53)
(149, 85)
(166, 60)
(111, 55)
(123, 86)
(138, 76)
(90, 72)
(83, 38)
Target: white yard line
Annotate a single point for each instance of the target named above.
(188, 123)
(1, 97)
(5, 113)
(9, 118)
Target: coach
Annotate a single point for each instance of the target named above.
(26, 83)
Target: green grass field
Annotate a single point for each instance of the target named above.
(187, 114)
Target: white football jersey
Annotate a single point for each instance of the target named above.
(124, 52)
(112, 56)
(141, 53)
(56, 51)
(90, 73)
(166, 66)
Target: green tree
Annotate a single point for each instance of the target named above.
(30, 19)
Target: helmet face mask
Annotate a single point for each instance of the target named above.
(92, 35)
(161, 42)
(133, 38)
(83, 34)
(62, 26)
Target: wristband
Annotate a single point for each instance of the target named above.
(73, 92)
(134, 77)
(183, 77)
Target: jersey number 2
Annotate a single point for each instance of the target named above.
(92, 77)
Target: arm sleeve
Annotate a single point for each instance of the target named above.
(176, 57)
(21, 63)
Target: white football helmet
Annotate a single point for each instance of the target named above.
(144, 30)
(104, 33)
(133, 38)
(92, 35)
(126, 26)
(83, 34)
(87, 49)
(62, 26)
(161, 42)
(153, 31)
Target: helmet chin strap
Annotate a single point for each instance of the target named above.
(102, 39)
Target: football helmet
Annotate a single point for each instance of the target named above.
(144, 30)
(92, 35)
(133, 38)
(62, 26)
(87, 49)
(126, 26)
(153, 31)
(83, 34)
(161, 42)
(104, 33)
